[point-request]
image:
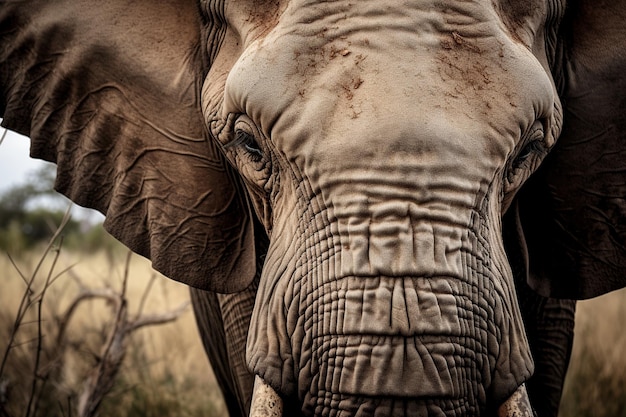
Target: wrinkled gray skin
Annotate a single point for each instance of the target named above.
(340, 173)
(549, 324)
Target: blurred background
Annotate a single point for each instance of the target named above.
(64, 301)
(86, 329)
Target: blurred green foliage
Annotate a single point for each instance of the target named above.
(26, 222)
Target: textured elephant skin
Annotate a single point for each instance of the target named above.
(344, 184)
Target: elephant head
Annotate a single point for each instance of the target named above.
(376, 145)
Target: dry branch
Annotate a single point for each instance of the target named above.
(109, 359)
(101, 379)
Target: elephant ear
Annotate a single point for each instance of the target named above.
(110, 92)
(573, 211)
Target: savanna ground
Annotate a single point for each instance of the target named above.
(165, 372)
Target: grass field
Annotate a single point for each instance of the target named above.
(165, 372)
(596, 380)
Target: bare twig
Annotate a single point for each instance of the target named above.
(64, 221)
(26, 302)
(84, 295)
(4, 387)
(102, 378)
(17, 268)
(129, 256)
(62, 272)
(25, 342)
(108, 361)
(34, 393)
(4, 135)
(69, 406)
(144, 296)
(152, 319)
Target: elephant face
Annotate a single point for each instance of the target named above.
(330, 100)
(376, 144)
(380, 146)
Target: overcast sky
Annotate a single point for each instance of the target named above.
(15, 164)
(17, 168)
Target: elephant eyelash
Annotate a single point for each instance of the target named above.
(527, 158)
(531, 148)
(523, 160)
(246, 140)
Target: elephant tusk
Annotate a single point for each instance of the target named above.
(265, 401)
(518, 405)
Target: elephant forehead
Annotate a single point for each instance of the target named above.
(254, 18)
(327, 45)
(360, 70)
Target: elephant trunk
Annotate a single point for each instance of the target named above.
(386, 293)
(433, 334)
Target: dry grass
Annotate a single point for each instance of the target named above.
(596, 381)
(165, 371)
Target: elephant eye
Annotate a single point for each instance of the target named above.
(527, 158)
(533, 147)
(248, 150)
(247, 141)
(534, 144)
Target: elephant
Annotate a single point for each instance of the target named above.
(381, 208)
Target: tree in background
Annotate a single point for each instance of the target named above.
(31, 212)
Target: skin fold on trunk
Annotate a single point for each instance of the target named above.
(407, 295)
